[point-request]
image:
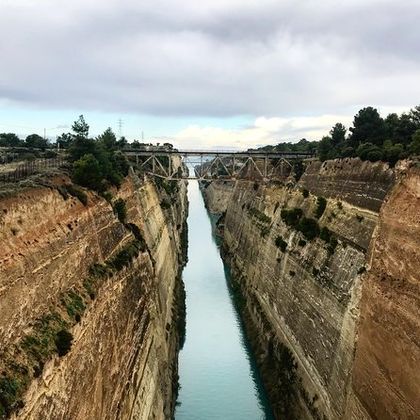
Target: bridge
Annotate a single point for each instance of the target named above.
(213, 164)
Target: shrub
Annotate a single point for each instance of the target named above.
(78, 193)
(74, 304)
(309, 228)
(9, 392)
(359, 218)
(325, 234)
(120, 210)
(265, 230)
(302, 242)
(361, 270)
(107, 195)
(305, 193)
(126, 255)
(87, 172)
(98, 270)
(165, 204)
(262, 217)
(321, 205)
(281, 243)
(332, 245)
(291, 217)
(63, 342)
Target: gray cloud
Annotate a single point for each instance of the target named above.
(211, 58)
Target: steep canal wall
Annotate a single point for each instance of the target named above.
(328, 273)
(91, 301)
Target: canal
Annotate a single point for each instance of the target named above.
(218, 377)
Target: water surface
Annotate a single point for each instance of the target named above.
(218, 377)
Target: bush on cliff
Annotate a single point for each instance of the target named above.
(309, 228)
(321, 204)
(63, 342)
(281, 243)
(291, 217)
(120, 210)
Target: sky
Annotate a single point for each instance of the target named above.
(226, 74)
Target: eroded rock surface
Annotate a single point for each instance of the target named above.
(302, 297)
(123, 360)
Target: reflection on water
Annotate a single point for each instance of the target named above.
(218, 379)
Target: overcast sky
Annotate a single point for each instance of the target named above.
(220, 73)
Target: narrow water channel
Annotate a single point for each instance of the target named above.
(218, 378)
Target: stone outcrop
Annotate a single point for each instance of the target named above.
(114, 285)
(301, 298)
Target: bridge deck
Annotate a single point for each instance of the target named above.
(220, 153)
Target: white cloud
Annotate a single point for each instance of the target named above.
(264, 131)
(210, 57)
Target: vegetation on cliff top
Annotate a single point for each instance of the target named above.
(97, 163)
(370, 138)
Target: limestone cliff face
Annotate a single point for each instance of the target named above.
(115, 286)
(301, 297)
(386, 374)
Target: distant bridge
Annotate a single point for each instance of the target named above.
(210, 164)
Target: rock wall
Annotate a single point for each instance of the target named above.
(386, 375)
(114, 286)
(301, 297)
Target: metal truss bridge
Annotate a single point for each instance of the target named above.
(208, 164)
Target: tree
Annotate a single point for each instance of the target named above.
(108, 139)
(338, 134)
(392, 152)
(415, 144)
(325, 149)
(64, 140)
(34, 140)
(87, 172)
(415, 116)
(391, 123)
(368, 127)
(80, 127)
(81, 146)
(9, 140)
(122, 142)
(369, 151)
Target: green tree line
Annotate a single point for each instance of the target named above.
(371, 137)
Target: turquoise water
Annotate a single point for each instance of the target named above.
(218, 378)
